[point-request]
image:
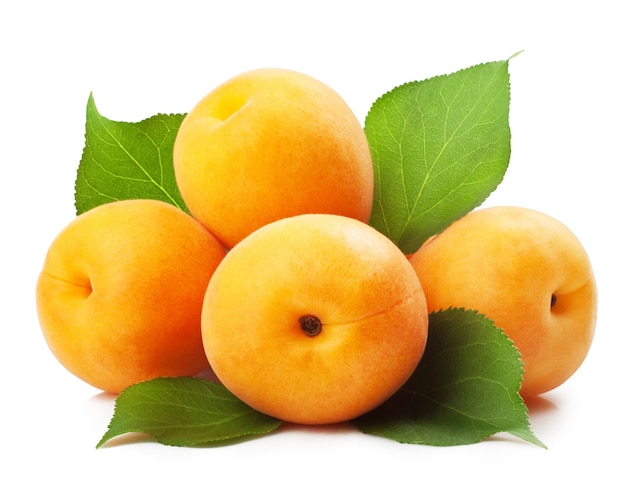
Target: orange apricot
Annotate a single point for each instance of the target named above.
(268, 144)
(120, 295)
(314, 319)
(527, 272)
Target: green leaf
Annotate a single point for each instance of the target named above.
(465, 389)
(124, 160)
(185, 411)
(439, 146)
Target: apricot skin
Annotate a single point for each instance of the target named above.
(120, 295)
(526, 271)
(259, 320)
(268, 144)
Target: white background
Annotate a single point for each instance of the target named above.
(143, 58)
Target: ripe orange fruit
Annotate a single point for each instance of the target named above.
(527, 272)
(120, 295)
(269, 144)
(314, 319)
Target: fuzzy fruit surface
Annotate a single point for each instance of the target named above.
(268, 144)
(314, 319)
(527, 272)
(120, 295)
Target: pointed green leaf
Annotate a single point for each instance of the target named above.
(185, 411)
(123, 160)
(465, 389)
(440, 146)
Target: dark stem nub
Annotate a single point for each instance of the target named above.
(552, 301)
(311, 325)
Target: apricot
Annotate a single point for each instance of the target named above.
(120, 295)
(269, 144)
(314, 319)
(526, 271)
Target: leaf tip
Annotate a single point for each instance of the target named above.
(91, 101)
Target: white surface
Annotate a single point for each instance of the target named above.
(142, 58)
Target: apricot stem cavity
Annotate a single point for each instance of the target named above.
(310, 325)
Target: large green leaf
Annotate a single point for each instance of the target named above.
(185, 411)
(465, 389)
(123, 160)
(439, 146)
